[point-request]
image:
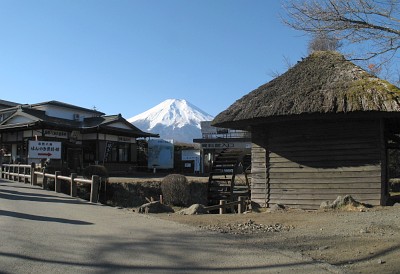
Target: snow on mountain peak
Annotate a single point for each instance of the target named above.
(172, 119)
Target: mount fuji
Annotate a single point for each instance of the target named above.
(175, 119)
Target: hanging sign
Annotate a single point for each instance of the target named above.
(55, 133)
(44, 149)
(107, 151)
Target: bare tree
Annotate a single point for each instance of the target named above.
(322, 41)
(372, 23)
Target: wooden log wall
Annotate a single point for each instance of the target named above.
(303, 164)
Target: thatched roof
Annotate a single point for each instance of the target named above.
(323, 83)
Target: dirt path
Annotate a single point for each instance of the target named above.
(356, 241)
(48, 232)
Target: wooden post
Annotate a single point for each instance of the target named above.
(241, 204)
(44, 184)
(94, 190)
(384, 165)
(19, 173)
(33, 178)
(222, 208)
(57, 182)
(73, 185)
(25, 178)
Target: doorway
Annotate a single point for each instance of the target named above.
(75, 159)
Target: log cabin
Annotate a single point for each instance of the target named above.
(321, 130)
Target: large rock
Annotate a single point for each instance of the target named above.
(193, 210)
(342, 202)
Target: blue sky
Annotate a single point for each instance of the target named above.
(126, 56)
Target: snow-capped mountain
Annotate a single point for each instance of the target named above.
(174, 119)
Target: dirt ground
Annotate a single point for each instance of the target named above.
(357, 241)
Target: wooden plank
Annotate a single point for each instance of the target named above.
(324, 181)
(369, 158)
(351, 136)
(331, 146)
(305, 169)
(308, 204)
(316, 188)
(324, 165)
(325, 184)
(337, 174)
(323, 127)
(324, 152)
(375, 200)
(322, 191)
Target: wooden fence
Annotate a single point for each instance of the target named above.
(28, 174)
(223, 205)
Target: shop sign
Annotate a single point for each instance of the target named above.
(55, 133)
(107, 151)
(44, 149)
(124, 139)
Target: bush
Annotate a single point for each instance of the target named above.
(98, 170)
(175, 189)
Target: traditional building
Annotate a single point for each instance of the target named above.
(320, 130)
(215, 140)
(70, 135)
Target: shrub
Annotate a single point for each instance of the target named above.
(98, 170)
(175, 190)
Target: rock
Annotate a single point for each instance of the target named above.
(276, 207)
(193, 210)
(380, 261)
(342, 202)
(154, 207)
(325, 204)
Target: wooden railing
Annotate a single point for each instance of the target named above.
(223, 205)
(28, 174)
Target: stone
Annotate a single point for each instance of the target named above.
(341, 202)
(276, 207)
(193, 210)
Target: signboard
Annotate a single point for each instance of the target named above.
(192, 155)
(161, 154)
(55, 133)
(44, 149)
(107, 151)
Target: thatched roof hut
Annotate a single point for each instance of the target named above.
(320, 130)
(324, 82)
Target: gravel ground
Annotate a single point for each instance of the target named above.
(356, 240)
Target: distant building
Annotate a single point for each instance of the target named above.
(70, 135)
(7, 104)
(215, 139)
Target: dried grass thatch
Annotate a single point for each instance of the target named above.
(324, 82)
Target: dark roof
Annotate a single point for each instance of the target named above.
(93, 124)
(7, 104)
(323, 83)
(104, 122)
(61, 104)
